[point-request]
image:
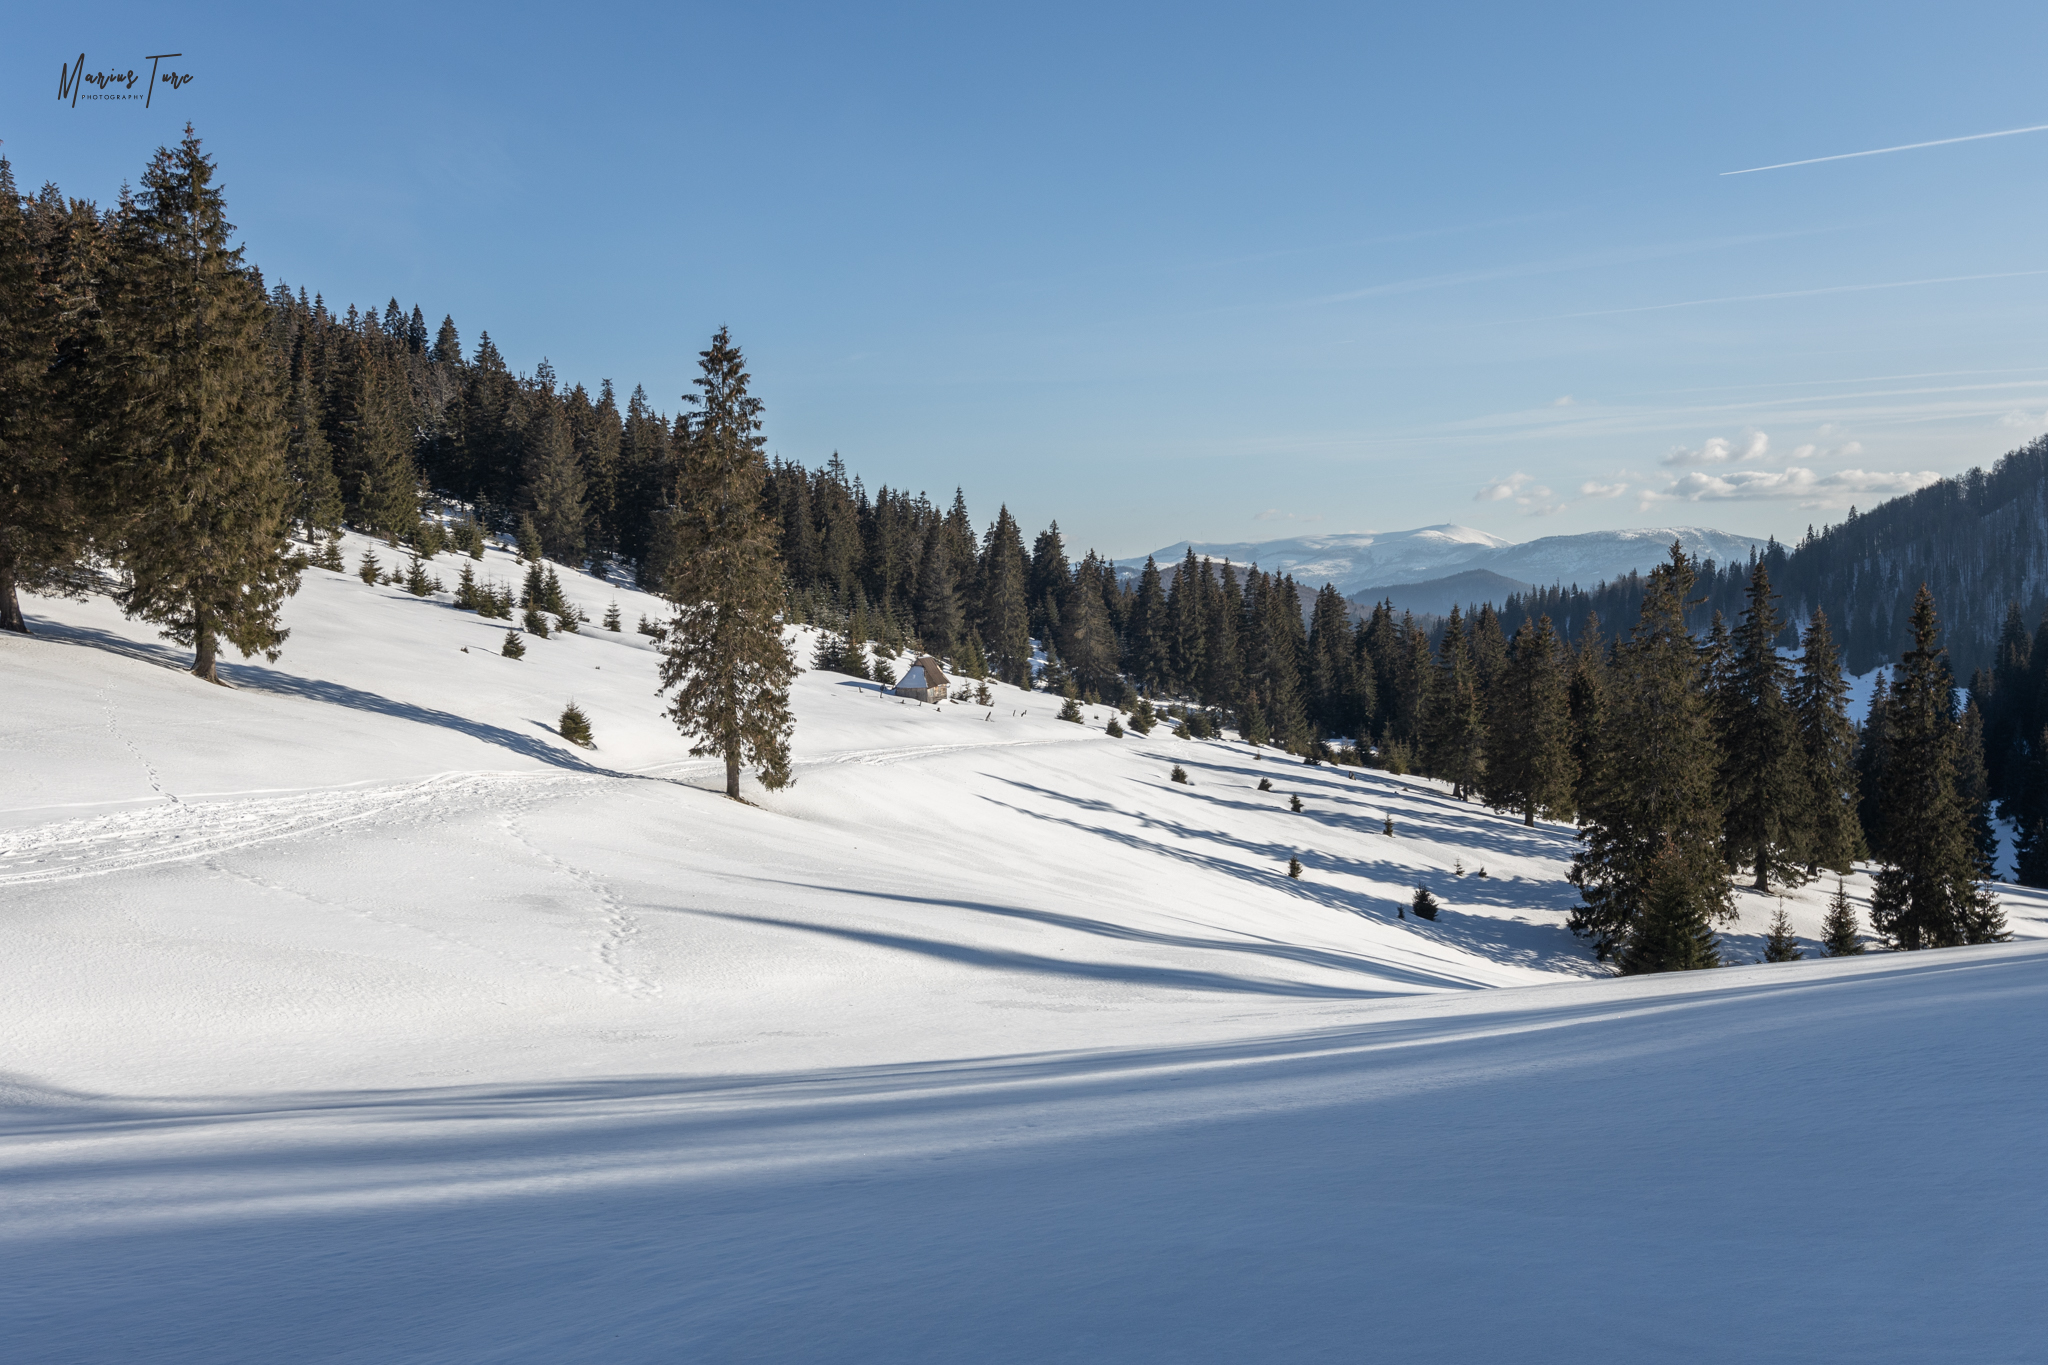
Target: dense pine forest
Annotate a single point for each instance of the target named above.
(189, 440)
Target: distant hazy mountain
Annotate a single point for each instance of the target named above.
(1356, 561)
(1436, 596)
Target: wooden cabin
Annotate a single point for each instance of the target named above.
(924, 680)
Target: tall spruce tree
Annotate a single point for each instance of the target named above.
(1651, 814)
(41, 513)
(1927, 893)
(200, 433)
(1763, 781)
(1827, 745)
(939, 624)
(1454, 734)
(553, 478)
(724, 656)
(1005, 615)
(1528, 733)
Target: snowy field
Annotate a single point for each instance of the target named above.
(352, 1015)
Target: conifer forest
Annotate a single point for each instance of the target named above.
(188, 439)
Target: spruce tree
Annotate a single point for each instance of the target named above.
(1294, 868)
(1765, 794)
(574, 726)
(1425, 905)
(514, 647)
(1674, 931)
(724, 658)
(1780, 943)
(1827, 743)
(939, 624)
(611, 617)
(1927, 893)
(554, 486)
(1839, 936)
(1651, 810)
(42, 521)
(1454, 730)
(1005, 621)
(199, 430)
(1528, 733)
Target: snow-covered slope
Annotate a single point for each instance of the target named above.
(1356, 562)
(353, 1015)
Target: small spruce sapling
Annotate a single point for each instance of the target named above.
(611, 617)
(1294, 868)
(330, 555)
(514, 647)
(536, 624)
(416, 581)
(1388, 828)
(370, 571)
(982, 696)
(1180, 775)
(1265, 784)
(465, 589)
(1141, 717)
(1840, 934)
(1294, 803)
(1070, 709)
(1781, 944)
(1424, 905)
(1113, 730)
(575, 726)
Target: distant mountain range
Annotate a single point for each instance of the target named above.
(1373, 564)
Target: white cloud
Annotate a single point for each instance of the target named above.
(1720, 450)
(1563, 402)
(2030, 423)
(1527, 494)
(1602, 490)
(1795, 482)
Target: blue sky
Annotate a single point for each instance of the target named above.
(1173, 271)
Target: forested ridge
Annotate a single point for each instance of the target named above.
(1979, 541)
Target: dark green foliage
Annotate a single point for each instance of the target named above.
(1781, 944)
(532, 548)
(1265, 784)
(1141, 717)
(1294, 868)
(1839, 936)
(329, 556)
(1113, 729)
(417, 580)
(1674, 931)
(575, 726)
(1928, 893)
(611, 617)
(1425, 905)
(466, 589)
(195, 425)
(1388, 828)
(724, 659)
(1070, 709)
(370, 571)
(1454, 730)
(1294, 803)
(1180, 775)
(48, 256)
(1766, 797)
(514, 647)
(535, 622)
(1652, 809)
(1827, 742)
(1528, 735)
(881, 671)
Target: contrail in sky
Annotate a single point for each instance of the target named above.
(1806, 293)
(1880, 151)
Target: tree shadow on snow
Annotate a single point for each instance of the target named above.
(1548, 947)
(256, 677)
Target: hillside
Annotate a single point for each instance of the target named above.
(354, 1015)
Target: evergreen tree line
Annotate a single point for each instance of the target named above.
(1977, 541)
